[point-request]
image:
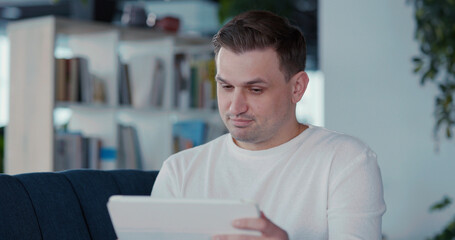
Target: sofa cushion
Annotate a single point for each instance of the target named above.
(65, 205)
(56, 206)
(17, 216)
(93, 199)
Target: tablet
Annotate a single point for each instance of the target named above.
(145, 217)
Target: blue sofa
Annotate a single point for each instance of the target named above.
(65, 205)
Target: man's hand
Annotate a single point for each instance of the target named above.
(268, 229)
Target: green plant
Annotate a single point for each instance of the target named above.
(435, 33)
(449, 231)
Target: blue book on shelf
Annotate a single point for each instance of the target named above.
(188, 134)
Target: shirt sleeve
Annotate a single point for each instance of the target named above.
(165, 185)
(356, 203)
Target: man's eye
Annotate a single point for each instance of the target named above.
(256, 90)
(226, 86)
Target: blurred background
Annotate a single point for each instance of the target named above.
(360, 54)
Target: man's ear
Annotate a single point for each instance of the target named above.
(299, 84)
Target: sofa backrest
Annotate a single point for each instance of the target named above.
(65, 205)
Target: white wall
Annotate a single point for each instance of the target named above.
(365, 50)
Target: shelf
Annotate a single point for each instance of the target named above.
(35, 115)
(130, 109)
(70, 27)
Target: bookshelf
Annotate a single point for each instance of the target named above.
(34, 123)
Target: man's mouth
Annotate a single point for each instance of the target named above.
(240, 122)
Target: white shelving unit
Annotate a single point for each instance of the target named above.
(35, 43)
(29, 137)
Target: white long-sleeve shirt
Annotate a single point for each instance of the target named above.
(319, 185)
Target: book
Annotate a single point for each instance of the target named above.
(195, 85)
(85, 81)
(188, 134)
(147, 76)
(99, 90)
(93, 152)
(129, 151)
(73, 81)
(75, 151)
(182, 82)
(61, 80)
(158, 79)
(124, 85)
(69, 151)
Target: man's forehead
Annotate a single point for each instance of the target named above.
(228, 51)
(251, 67)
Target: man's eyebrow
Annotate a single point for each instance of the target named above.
(254, 81)
(220, 79)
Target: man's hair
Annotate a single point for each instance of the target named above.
(255, 30)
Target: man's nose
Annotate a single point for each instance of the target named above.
(238, 103)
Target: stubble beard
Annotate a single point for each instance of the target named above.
(255, 132)
(245, 134)
(248, 134)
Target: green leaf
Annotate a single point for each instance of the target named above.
(439, 122)
(418, 68)
(445, 202)
(417, 60)
(419, 13)
(442, 87)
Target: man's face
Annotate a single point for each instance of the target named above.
(254, 99)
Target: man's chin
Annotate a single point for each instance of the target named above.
(243, 137)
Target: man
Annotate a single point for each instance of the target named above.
(310, 182)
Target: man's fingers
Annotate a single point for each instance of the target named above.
(258, 224)
(266, 227)
(263, 225)
(255, 224)
(236, 237)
